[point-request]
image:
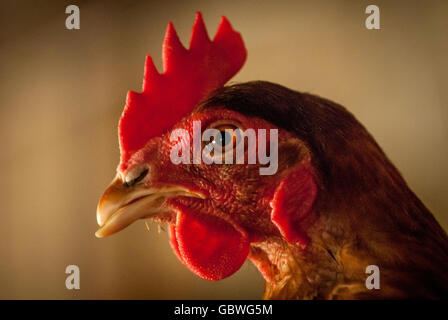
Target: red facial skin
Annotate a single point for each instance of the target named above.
(236, 193)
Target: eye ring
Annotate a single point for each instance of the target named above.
(135, 175)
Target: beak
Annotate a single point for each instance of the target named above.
(121, 205)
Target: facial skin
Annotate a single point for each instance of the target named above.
(153, 187)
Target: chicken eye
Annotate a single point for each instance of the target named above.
(222, 142)
(226, 136)
(135, 175)
(223, 139)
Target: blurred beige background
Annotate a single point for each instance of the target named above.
(62, 93)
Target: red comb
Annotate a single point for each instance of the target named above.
(189, 76)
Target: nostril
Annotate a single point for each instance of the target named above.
(135, 175)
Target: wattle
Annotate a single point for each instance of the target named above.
(209, 246)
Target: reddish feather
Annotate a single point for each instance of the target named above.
(189, 76)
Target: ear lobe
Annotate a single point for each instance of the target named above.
(293, 201)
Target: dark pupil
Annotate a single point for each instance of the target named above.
(223, 138)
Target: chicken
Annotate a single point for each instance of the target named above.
(334, 205)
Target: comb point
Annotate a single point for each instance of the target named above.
(173, 50)
(151, 73)
(223, 28)
(199, 35)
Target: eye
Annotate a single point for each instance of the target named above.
(135, 175)
(226, 135)
(221, 143)
(226, 139)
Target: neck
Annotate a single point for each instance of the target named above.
(295, 273)
(351, 236)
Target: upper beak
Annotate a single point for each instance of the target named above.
(121, 205)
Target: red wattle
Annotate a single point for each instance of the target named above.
(209, 246)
